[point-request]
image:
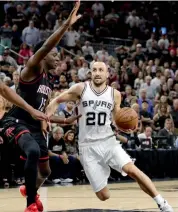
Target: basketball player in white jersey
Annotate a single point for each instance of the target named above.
(97, 144)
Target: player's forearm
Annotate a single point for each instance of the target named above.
(14, 98)
(57, 120)
(52, 107)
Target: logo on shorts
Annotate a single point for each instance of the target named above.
(9, 132)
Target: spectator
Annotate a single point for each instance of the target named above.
(129, 98)
(7, 81)
(151, 90)
(16, 37)
(112, 17)
(19, 17)
(138, 82)
(51, 16)
(66, 113)
(63, 84)
(7, 59)
(136, 107)
(6, 36)
(15, 79)
(71, 36)
(59, 161)
(102, 55)
(31, 35)
(149, 43)
(24, 52)
(156, 81)
(32, 10)
(87, 49)
(167, 132)
(163, 91)
(147, 134)
(138, 54)
(174, 114)
(163, 41)
(161, 116)
(98, 8)
(146, 117)
(71, 150)
(133, 20)
(82, 72)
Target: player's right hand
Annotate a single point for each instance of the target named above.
(71, 119)
(73, 17)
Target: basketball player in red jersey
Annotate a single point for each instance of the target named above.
(34, 87)
(12, 97)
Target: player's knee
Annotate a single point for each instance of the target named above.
(45, 172)
(103, 196)
(33, 153)
(131, 170)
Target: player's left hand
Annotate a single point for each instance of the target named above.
(36, 114)
(129, 131)
(45, 127)
(73, 17)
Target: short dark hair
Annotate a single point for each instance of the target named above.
(38, 46)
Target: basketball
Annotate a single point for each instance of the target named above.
(126, 119)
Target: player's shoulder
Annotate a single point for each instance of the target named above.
(78, 86)
(116, 93)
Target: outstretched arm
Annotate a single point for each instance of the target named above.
(11, 96)
(53, 40)
(117, 101)
(73, 94)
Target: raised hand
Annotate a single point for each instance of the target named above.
(73, 17)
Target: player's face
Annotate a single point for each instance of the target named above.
(99, 73)
(52, 59)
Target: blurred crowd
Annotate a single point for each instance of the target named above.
(144, 70)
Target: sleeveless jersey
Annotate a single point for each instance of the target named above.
(36, 94)
(96, 109)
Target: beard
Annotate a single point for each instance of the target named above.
(98, 83)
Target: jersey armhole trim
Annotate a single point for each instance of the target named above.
(112, 95)
(32, 81)
(84, 89)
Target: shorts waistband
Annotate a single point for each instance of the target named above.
(95, 142)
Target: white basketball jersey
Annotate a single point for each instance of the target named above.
(96, 108)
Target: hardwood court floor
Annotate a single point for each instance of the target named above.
(124, 196)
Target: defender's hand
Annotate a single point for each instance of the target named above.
(73, 16)
(36, 114)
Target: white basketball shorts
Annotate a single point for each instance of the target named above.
(98, 156)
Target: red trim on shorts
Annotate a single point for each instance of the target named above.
(22, 158)
(41, 159)
(20, 133)
(44, 158)
(32, 81)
